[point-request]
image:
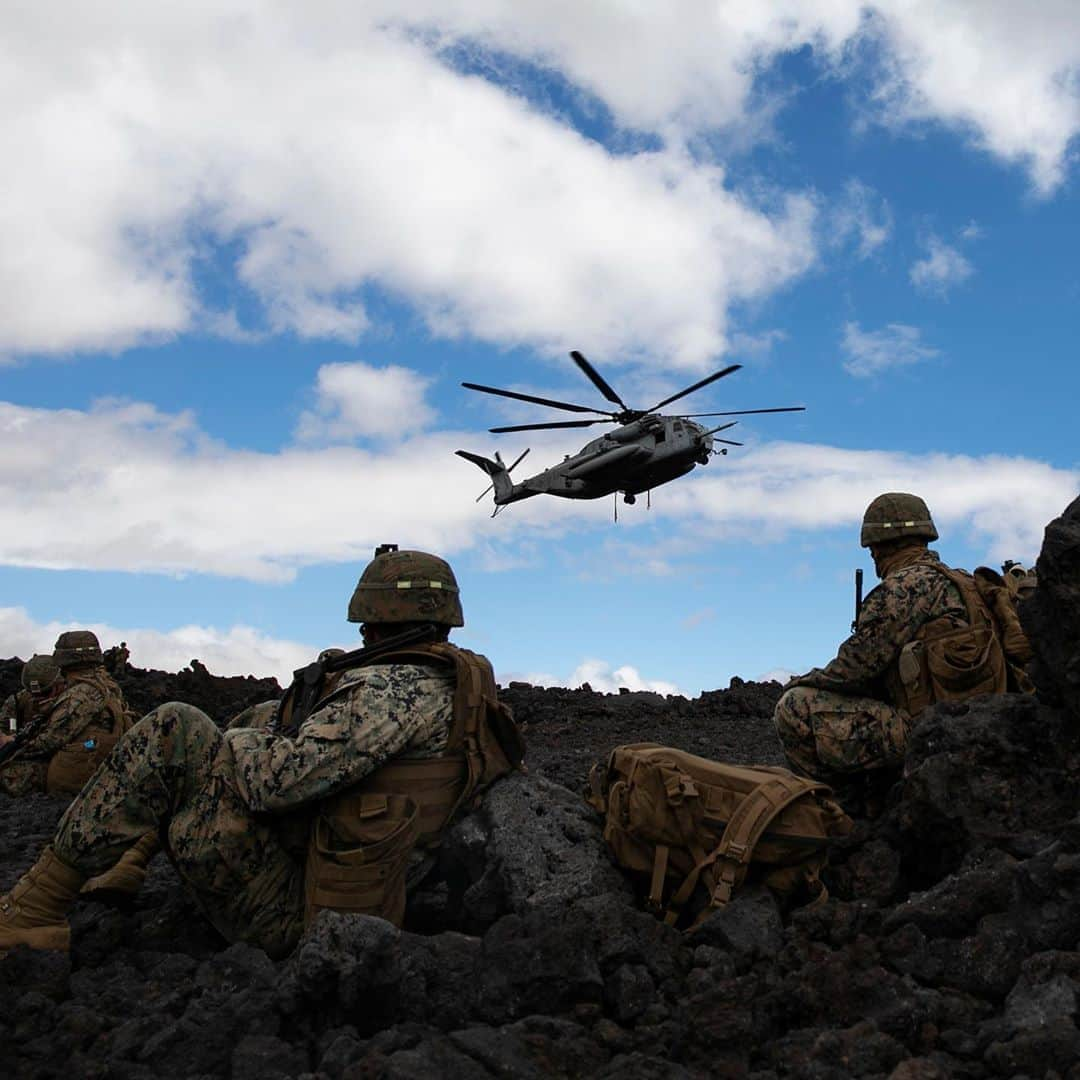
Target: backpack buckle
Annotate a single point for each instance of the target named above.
(737, 851)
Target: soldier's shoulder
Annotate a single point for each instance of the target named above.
(924, 570)
(78, 693)
(384, 677)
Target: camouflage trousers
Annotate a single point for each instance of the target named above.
(172, 773)
(19, 778)
(827, 734)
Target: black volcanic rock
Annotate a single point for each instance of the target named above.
(1052, 616)
(947, 948)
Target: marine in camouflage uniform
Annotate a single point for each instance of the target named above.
(847, 717)
(89, 705)
(233, 808)
(40, 678)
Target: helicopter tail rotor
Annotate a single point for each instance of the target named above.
(497, 470)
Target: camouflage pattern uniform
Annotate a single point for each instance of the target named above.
(234, 808)
(260, 715)
(840, 719)
(82, 704)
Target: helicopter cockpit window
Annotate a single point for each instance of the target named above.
(660, 434)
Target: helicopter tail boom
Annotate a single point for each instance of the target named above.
(498, 472)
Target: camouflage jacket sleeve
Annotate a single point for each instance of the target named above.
(7, 711)
(890, 617)
(74, 710)
(379, 712)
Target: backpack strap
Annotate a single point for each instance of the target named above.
(750, 820)
(732, 856)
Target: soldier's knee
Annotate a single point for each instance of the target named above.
(791, 713)
(175, 723)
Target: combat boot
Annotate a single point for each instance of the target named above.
(35, 911)
(126, 877)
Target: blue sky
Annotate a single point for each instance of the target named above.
(249, 251)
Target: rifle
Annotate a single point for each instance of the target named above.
(306, 687)
(858, 599)
(24, 735)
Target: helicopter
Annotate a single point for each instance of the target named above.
(647, 448)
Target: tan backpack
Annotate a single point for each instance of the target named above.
(953, 659)
(1000, 598)
(361, 839)
(684, 820)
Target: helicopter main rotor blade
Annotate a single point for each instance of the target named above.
(550, 426)
(597, 379)
(529, 397)
(747, 412)
(730, 442)
(697, 386)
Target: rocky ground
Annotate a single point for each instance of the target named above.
(948, 949)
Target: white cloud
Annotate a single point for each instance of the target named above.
(150, 492)
(1002, 74)
(327, 154)
(239, 650)
(333, 155)
(942, 267)
(1005, 74)
(863, 215)
(871, 352)
(357, 400)
(601, 677)
(999, 503)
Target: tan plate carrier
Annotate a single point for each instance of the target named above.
(362, 839)
(684, 820)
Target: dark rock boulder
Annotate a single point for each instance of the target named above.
(1052, 616)
(533, 845)
(993, 771)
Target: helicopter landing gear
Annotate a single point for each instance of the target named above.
(629, 499)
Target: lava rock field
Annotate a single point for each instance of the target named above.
(948, 948)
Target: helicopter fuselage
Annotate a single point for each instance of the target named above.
(632, 459)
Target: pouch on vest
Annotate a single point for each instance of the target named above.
(682, 821)
(72, 765)
(358, 855)
(950, 659)
(484, 744)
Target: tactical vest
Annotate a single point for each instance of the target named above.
(73, 764)
(950, 659)
(362, 838)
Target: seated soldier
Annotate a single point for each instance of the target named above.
(74, 728)
(235, 810)
(40, 678)
(923, 635)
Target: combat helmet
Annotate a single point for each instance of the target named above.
(406, 586)
(39, 673)
(77, 647)
(894, 515)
